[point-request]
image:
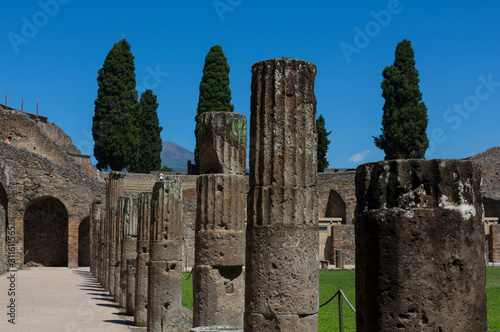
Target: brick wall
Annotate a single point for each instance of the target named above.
(343, 238)
(494, 240)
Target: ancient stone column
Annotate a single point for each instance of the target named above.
(114, 189)
(120, 211)
(104, 249)
(419, 246)
(95, 225)
(141, 279)
(130, 290)
(111, 250)
(282, 244)
(128, 252)
(220, 221)
(165, 311)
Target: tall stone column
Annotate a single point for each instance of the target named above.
(141, 279)
(102, 248)
(95, 226)
(165, 311)
(128, 252)
(111, 249)
(120, 211)
(282, 244)
(419, 246)
(114, 189)
(220, 221)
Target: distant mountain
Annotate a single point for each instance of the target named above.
(175, 156)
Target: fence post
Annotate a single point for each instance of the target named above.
(341, 315)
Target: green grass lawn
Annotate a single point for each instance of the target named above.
(331, 281)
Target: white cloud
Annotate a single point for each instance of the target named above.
(359, 157)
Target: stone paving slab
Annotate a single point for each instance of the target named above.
(58, 299)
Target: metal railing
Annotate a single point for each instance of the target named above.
(340, 295)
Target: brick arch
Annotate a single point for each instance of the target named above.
(46, 232)
(84, 242)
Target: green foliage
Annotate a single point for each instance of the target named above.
(323, 142)
(165, 169)
(150, 144)
(215, 94)
(113, 130)
(404, 122)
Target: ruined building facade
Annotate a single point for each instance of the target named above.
(46, 187)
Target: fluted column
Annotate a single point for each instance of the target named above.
(220, 221)
(128, 251)
(282, 277)
(165, 311)
(141, 280)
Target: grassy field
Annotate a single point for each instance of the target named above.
(331, 281)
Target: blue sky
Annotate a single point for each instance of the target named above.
(51, 51)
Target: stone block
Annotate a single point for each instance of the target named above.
(288, 323)
(164, 291)
(285, 270)
(165, 250)
(141, 290)
(144, 220)
(221, 290)
(166, 211)
(221, 202)
(282, 205)
(220, 248)
(223, 143)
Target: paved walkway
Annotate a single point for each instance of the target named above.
(58, 300)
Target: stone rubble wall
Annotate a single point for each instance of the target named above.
(43, 138)
(26, 176)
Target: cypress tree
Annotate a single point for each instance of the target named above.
(323, 142)
(113, 130)
(215, 94)
(150, 144)
(404, 122)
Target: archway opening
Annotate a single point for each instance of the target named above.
(336, 207)
(84, 242)
(46, 232)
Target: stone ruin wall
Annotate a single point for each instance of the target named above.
(43, 138)
(27, 176)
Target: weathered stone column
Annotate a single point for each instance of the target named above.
(130, 290)
(165, 311)
(111, 249)
(95, 226)
(101, 246)
(282, 244)
(128, 252)
(220, 221)
(120, 211)
(141, 279)
(104, 249)
(419, 246)
(114, 189)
